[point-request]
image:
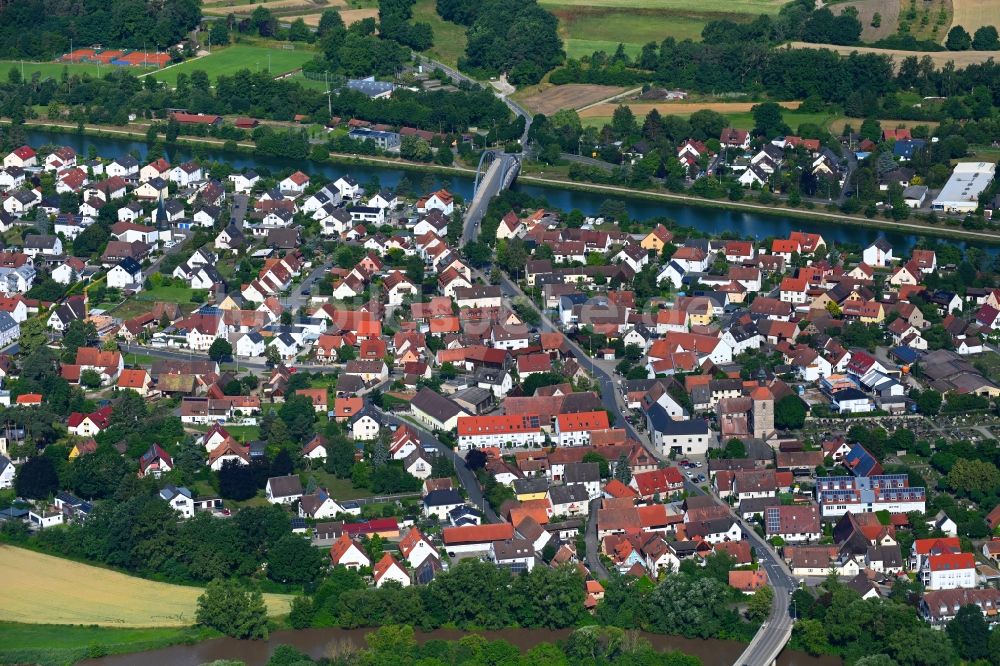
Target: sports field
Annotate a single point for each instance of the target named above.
(56, 69)
(972, 14)
(41, 589)
(240, 56)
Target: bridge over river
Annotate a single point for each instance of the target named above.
(496, 172)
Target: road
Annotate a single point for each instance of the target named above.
(296, 300)
(516, 108)
(594, 562)
(238, 211)
(773, 635)
(465, 476)
(489, 187)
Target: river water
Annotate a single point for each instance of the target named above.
(331, 642)
(711, 220)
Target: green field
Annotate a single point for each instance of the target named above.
(56, 69)
(234, 58)
(173, 294)
(449, 38)
(587, 26)
(57, 645)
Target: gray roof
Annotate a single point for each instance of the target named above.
(285, 486)
(531, 485)
(7, 323)
(513, 549)
(39, 242)
(370, 86)
(436, 406)
(446, 497)
(567, 494)
(581, 472)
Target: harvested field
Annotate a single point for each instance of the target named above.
(349, 15)
(972, 14)
(887, 9)
(677, 108)
(569, 96)
(939, 58)
(41, 589)
(837, 126)
(753, 7)
(281, 7)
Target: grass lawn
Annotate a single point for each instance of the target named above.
(56, 69)
(988, 363)
(139, 359)
(449, 38)
(173, 294)
(56, 645)
(340, 489)
(578, 48)
(43, 589)
(240, 56)
(244, 433)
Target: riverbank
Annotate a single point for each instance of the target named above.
(60, 644)
(733, 216)
(326, 642)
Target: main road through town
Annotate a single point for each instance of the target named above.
(776, 631)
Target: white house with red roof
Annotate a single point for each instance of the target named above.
(294, 184)
(155, 462)
(89, 425)
(415, 548)
(735, 138)
(348, 553)
(441, 200)
(389, 570)
(21, 157)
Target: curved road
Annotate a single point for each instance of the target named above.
(775, 632)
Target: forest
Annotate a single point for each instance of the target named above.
(519, 38)
(43, 29)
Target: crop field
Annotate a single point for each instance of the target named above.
(640, 109)
(349, 15)
(972, 14)
(569, 96)
(41, 589)
(56, 69)
(240, 56)
(960, 58)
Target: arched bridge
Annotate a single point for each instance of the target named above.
(496, 172)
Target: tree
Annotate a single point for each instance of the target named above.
(272, 356)
(973, 476)
(90, 379)
(33, 335)
(986, 39)
(759, 606)
(768, 120)
(790, 413)
(734, 448)
(237, 481)
(475, 459)
(623, 472)
(692, 607)
(600, 461)
(442, 467)
(37, 478)
(219, 33)
(812, 636)
(298, 414)
(958, 39)
(228, 607)
(98, 475)
(929, 402)
(292, 560)
(969, 633)
(220, 350)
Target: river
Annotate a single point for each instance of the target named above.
(711, 220)
(330, 642)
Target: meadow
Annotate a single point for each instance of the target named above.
(42, 589)
(449, 38)
(239, 56)
(587, 26)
